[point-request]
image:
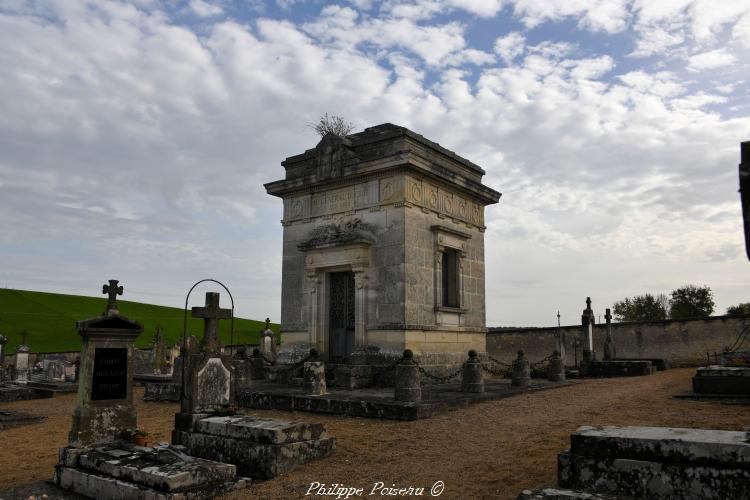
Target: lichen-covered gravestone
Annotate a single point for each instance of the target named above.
(23, 370)
(208, 427)
(100, 460)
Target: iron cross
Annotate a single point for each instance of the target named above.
(588, 303)
(211, 314)
(113, 291)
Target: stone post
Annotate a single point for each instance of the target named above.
(407, 381)
(521, 376)
(472, 377)
(22, 364)
(609, 342)
(268, 344)
(587, 333)
(556, 368)
(314, 375)
(105, 411)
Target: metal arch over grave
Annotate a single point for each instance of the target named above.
(183, 349)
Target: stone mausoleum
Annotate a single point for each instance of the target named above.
(383, 249)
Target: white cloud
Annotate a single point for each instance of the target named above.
(711, 60)
(202, 8)
(510, 46)
(149, 142)
(610, 16)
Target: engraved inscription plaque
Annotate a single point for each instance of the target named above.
(110, 378)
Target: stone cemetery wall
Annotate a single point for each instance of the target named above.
(681, 343)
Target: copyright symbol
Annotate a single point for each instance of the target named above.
(437, 489)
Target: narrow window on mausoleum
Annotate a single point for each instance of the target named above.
(450, 278)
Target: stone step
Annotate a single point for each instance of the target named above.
(664, 444)
(563, 494)
(163, 469)
(260, 430)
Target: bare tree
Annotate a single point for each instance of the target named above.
(333, 124)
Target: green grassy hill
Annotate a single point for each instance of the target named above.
(50, 320)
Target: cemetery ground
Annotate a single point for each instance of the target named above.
(489, 450)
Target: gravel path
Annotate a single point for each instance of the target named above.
(490, 450)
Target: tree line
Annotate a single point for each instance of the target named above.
(687, 302)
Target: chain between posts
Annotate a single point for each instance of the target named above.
(444, 378)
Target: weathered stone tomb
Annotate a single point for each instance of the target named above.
(100, 460)
(383, 249)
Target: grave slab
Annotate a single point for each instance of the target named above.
(12, 418)
(119, 471)
(658, 462)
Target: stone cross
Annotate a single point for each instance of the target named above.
(587, 334)
(113, 291)
(24, 334)
(211, 314)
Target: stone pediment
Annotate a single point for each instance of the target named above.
(329, 157)
(109, 322)
(341, 232)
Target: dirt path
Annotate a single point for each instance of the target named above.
(490, 450)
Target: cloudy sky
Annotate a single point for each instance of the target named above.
(135, 138)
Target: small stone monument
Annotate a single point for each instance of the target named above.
(210, 428)
(407, 382)
(314, 374)
(609, 343)
(587, 333)
(268, 344)
(159, 360)
(23, 368)
(521, 375)
(100, 460)
(472, 379)
(208, 382)
(105, 410)
(556, 368)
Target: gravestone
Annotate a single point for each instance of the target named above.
(208, 383)
(100, 460)
(208, 426)
(159, 356)
(54, 369)
(23, 368)
(105, 410)
(521, 375)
